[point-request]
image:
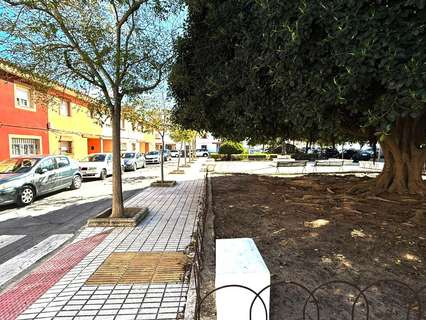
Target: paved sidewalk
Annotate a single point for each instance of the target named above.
(168, 227)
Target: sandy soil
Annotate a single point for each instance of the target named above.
(310, 230)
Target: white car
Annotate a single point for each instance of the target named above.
(153, 157)
(174, 153)
(201, 153)
(97, 165)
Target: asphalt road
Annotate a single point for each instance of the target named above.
(65, 212)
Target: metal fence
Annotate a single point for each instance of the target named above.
(409, 303)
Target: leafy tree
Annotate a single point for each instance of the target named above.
(114, 50)
(183, 136)
(323, 69)
(157, 119)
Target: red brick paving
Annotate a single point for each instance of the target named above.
(17, 299)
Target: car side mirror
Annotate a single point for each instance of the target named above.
(41, 170)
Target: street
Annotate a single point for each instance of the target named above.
(56, 218)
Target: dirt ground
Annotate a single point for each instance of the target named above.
(309, 230)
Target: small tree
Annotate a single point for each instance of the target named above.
(158, 119)
(113, 50)
(181, 135)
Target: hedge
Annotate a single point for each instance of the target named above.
(231, 147)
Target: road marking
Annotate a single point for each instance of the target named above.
(23, 261)
(8, 239)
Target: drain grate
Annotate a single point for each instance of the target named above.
(140, 267)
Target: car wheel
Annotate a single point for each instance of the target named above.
(76, 182)
(103, 174)
(26, 196)
(205, 155)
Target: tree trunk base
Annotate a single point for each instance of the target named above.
(377, 187)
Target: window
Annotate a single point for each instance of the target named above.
(48, 164)
(65, 147)
(123, 146)
(25, 146)
(62, 162)
(123, 124)
(23, 98)
(133, 146)
(65, 108)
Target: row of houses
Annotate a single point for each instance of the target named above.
(61, 124)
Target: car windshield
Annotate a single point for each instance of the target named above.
(21, 165)
(95, 158)
(128, 155)
(152, 153)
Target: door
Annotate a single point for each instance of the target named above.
(65, 172)
(46, 176)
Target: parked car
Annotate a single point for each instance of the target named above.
(349, 153)
(201, 153)
(25, 178)
(175, 153)
(167, 155)
(97, 165)
(363, 155)
(133, 160)
(330, 153)
(153, 157)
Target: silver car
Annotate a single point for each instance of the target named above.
(133, 160)
(23, 179)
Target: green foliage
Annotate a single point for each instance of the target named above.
(238, 157)
(339, 69)
(257, 157)
(231, 147)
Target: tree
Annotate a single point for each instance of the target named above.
(323, 69)
(114, 50)
(158, 119)
(181, 135)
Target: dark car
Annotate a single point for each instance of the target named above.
(330, 153)
(349, 153)
(363, 155)
(23, 179)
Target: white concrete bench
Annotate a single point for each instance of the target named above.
(239, 263)
(291, 163)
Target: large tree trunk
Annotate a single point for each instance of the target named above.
(405, 157)
(117, 193)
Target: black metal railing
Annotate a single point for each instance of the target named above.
(412, 308)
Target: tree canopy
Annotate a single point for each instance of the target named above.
(112, 50)
(323, 69)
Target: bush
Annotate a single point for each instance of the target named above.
(257, 157)
(215, 156)
(238, 157)
(231, 147)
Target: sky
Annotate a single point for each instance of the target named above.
(175, 24)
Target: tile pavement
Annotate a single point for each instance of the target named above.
(168, 227)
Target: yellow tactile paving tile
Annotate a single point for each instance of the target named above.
(140, 267)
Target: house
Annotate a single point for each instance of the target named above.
(36, 119)
(207, 142)
(23, 117)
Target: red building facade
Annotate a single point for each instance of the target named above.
(23, 121)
